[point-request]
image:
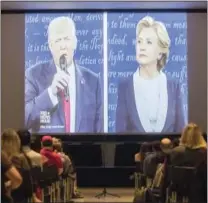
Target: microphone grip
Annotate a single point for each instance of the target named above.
(63, 66)
(66, 93)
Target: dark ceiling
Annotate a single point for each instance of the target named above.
(63, 5)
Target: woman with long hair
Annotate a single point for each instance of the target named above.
(11, 145)
(192, 152)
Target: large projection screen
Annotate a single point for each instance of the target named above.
(187, 62)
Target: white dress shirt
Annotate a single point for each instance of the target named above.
(72, 93)
(151, 100)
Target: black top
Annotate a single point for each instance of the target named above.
(182, 156)
(6, 164)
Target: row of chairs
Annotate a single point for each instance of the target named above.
(54, 188)
(180, 182)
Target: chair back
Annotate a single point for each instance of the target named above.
(139, 167)
(181, 174)
(48, 175)
(181, 178)
(51, 172)
(25, 190)
(36, 173)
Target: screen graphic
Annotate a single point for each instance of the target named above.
(106, 72)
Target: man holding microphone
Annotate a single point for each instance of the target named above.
(61, 96)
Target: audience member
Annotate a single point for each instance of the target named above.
(11, 145)
(153, 153)
(68, 166)
(192, 149)
(145, 149)
(166, 145)
(25, 138)
(35, 158)
(10, 178)
(52, 157)
(192, 152)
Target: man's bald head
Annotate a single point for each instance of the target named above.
(166, 145)
(165, 141)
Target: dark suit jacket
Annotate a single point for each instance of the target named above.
(127, 118)
(182, 156)
(89, 110)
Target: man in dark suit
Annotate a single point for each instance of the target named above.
(48, 108)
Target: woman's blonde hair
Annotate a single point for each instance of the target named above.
(192, 137)
(10, 142)
(162, 34)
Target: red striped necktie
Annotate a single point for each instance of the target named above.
(66, 109)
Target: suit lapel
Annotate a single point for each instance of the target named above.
(133, 109)
(50, 71)
(80, 90)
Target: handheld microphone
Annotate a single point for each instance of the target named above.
(63, 66)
